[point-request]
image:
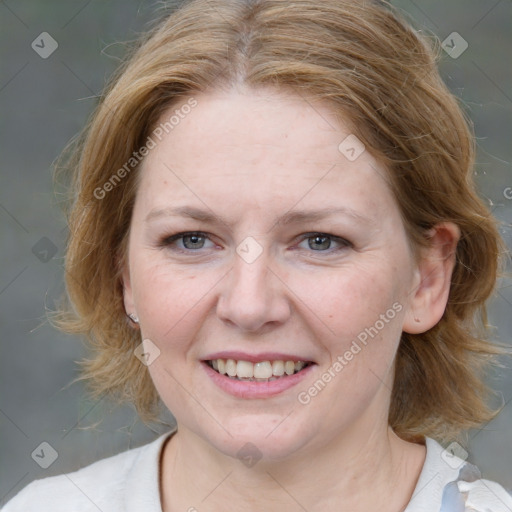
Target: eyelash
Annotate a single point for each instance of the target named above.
(169, 240)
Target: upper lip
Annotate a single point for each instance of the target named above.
(256, 358)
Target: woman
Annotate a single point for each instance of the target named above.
(275, 234)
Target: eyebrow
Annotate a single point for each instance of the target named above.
(291, 217)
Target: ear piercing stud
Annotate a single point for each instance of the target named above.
(134, 318)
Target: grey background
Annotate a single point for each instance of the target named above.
(45, 102)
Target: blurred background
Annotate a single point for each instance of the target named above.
(47, 91)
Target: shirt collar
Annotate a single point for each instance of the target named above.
(440, 469)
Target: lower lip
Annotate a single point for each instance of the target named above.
(254, 389)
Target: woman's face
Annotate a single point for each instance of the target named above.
(265, 281)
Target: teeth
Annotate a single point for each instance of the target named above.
(231, 367)
(244, 369)
(261, 371)
(289, 367)
(278, 368)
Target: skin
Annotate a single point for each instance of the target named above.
(249, 157)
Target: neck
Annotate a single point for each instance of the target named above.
(352, 473)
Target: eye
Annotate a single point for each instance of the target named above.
(321, 242)
(191, 241)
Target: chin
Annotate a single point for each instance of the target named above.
(266, 437)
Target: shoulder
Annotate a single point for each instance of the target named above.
(103, 485)
(449, 483)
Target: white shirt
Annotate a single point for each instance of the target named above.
(129, 482)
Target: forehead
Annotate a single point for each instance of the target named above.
(263, 146)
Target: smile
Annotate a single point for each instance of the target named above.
(262, 371)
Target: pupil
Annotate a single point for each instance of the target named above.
(318, 239)
(193, 238)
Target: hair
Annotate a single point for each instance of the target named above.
(374, 70)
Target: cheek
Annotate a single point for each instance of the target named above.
(350, 300)
(169, 301)
(363, 310)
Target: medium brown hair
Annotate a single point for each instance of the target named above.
(379, 75)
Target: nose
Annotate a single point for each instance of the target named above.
(253, 296)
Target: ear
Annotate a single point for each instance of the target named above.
(433, 279)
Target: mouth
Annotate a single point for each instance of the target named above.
(261, 371)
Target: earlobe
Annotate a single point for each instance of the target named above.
(433, 279)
